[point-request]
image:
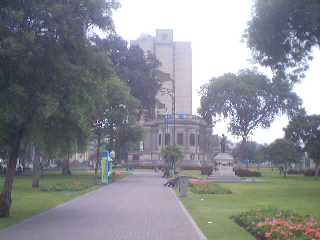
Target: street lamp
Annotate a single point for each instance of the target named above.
(172, 94)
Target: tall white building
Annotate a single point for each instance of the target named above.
(191, 133)
(176, 60)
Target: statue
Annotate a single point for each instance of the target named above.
(223, 143)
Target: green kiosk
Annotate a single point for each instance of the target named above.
(106, 167)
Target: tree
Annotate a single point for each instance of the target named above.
(119, 121)
(261, 155)
(304, 131)
(248, 99)
(52, 35)
(283, 153)
(137, 69)
(171, 155)
(246, 151)
(282, 34)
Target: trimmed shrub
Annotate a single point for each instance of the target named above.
(74, 186)
(206, 170)
(198, 168)
(310, 173)
(241, 172)
(294, 172)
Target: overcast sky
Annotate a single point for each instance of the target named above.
(214, 27)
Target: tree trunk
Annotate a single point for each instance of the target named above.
(36, 173)
(285, 170)
(98, 154)
(317, 168)
(66, 166)
(5, 196)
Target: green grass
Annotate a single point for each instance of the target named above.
(28, 202)
(192, 173)
(210, 188)
(299, 194)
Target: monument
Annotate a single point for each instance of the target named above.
(224, 165)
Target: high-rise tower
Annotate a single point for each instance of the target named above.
(176, 60)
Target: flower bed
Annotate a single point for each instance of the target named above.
(310, 173)
(198, 186)
(273, 224)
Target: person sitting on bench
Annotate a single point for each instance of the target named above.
(172, 182)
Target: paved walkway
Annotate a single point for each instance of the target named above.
(137, 208)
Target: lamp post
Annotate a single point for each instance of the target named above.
(171, 93)
(165, 77)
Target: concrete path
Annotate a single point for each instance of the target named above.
(137, 208)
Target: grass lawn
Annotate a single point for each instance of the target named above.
(192, 173)
(297, 193)
(54, 190)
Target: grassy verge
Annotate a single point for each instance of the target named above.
(192, 173)
(212, 212)
(54, 190)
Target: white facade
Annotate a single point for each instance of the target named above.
(176, 60)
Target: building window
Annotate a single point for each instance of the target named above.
(192, 139)
(164, 37)
(180, 138)
(159, 140)
(167, 139)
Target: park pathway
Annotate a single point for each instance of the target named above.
(136, 208)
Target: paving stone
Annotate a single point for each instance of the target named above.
(137, 208)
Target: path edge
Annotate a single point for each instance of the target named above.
(191, 220)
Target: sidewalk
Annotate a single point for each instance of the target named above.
(137, 208)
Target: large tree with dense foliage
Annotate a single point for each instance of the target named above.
(118, 124)
(137, 69)
(50, 71)
(248, 99)
(304, 131)
(282, 34)
(246, 151)
(283, 153)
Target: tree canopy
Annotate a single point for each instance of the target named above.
(248, 99)
(283, 153)
(304, 131)
(52, 74)
(137, 69)
(282, 34)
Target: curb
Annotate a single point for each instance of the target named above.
(193, 223)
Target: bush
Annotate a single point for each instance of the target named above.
(206, 170)
(274, 224)
(135, 166)
(310, 173)
(74, 186)
(205, 187)
(198, 168)
(241, 172)
(294, 172)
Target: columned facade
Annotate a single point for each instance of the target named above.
(193, 136)
(174, 109)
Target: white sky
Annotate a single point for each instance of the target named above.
(214, 27)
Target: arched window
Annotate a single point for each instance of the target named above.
(180, 139)
(192, 139)
(167, 139)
